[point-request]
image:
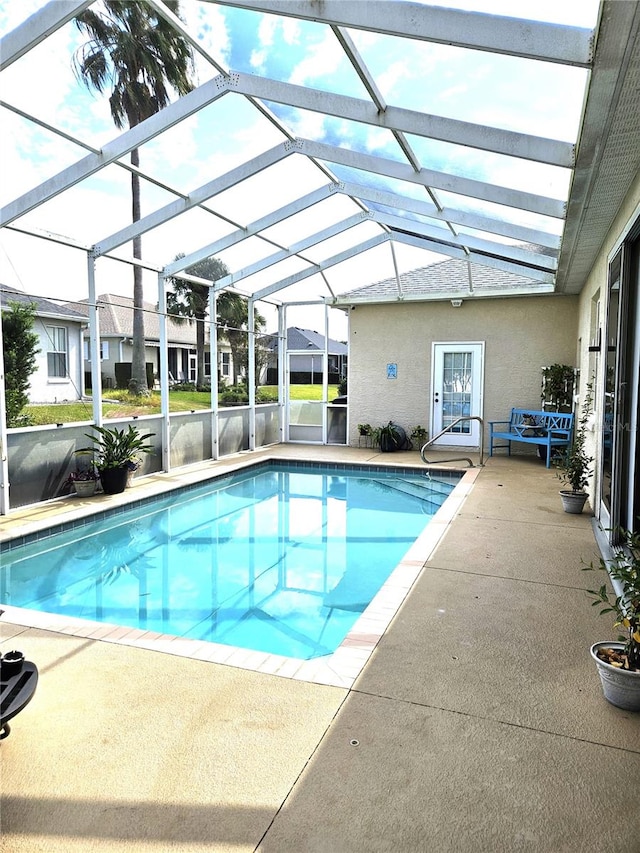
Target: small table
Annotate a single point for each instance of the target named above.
(16, 691)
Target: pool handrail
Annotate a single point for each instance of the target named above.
(457, 458)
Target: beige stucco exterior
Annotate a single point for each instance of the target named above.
(520, 334)
(592, 309)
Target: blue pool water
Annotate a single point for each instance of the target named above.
(276, 559)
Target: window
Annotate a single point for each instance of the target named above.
(104, 350)
(225, 364)
(57, 352)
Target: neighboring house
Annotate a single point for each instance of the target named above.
(58, 376)
(115, 317)
(306, 351)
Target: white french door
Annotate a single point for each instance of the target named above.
(457, 385)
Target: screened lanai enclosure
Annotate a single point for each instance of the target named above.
(321, 147)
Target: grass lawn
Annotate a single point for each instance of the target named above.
(126, 406)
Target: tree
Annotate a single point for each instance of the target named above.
(20, 344)
(189, 299)
(138, 53)
(233, 318)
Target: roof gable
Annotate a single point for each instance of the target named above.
(116, 320)
(443, 280)
(43, 307)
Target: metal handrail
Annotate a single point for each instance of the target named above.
(457, 458)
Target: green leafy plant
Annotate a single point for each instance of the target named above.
(117, 448)
(391, 437)
(625, 570)
(557, 387)
(419, 433)
(574, 469)
(364, 429)
(20, 349)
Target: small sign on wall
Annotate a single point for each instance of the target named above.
(392, 371)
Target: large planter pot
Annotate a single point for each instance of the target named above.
(573, 501)
(114, 480)
(621, 687)
(395, 438)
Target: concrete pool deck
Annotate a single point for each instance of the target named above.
(477, 723)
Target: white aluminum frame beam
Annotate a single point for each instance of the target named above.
(465, 241)
(475, 30)
(458, 217)
(253, 229)
(428, 178)
(510, 143)
(112, 151)
(317, 268)
(195, 198)
(295, 248)
(37, 27)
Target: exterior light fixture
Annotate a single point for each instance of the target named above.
(456, 303)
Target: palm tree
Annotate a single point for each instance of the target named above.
(189, 299)
(233, 317)
(137, 53)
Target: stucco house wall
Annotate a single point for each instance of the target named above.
(591, 313)
(521, 335)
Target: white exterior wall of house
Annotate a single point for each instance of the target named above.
(521, 335)
(592, 312)
(44, 388)
(119, 350)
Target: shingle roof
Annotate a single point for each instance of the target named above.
(116, 319)
(44, 307)
(305, 339)
(446, 278)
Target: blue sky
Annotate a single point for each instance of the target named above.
(501, 91)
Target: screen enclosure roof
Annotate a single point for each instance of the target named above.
(327, 146)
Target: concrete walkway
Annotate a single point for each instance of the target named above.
(477, 725)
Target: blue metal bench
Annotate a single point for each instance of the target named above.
(550, 430)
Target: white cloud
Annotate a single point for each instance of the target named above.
(266, 30)
(394, 74)
(322, 58)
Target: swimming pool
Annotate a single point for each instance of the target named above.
(281, 559)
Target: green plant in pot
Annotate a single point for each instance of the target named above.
(117, 451)
(391, 437)
(419, 434)
(619, 662)
(84, 479)
(574, 469)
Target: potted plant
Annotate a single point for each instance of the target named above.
(117, 450)
(556, 393)
(391, 437)
(618, 662)
(84, 482)
(419, 434)
(574, 469)
(85, 478)
(366, 432)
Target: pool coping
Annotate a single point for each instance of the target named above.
(339, 669)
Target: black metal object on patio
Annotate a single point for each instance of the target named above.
(16, 691)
